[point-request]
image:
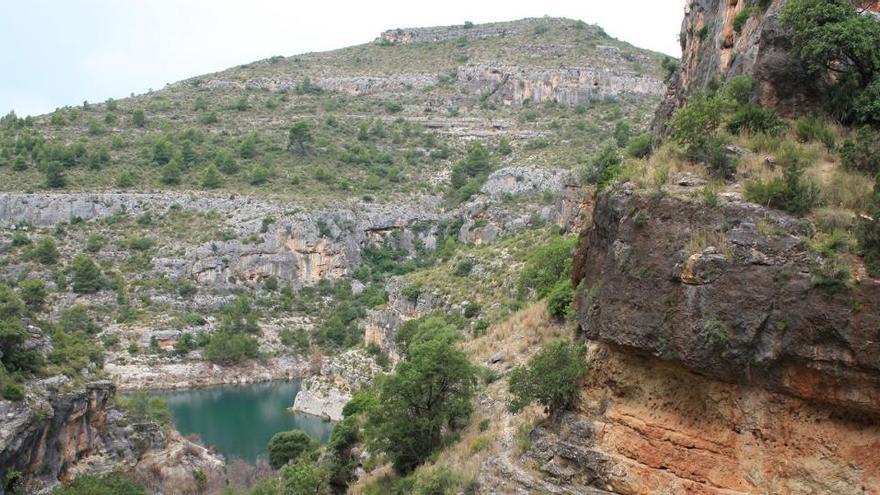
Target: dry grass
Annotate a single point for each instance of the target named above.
(518, 337)
(703, 238)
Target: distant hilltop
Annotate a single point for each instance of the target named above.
(472, 31)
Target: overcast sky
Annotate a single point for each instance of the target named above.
(61, 52)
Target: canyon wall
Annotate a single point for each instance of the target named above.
(720, 361)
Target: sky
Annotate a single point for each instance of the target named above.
(63, 52)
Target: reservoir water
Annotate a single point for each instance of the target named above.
(239, 420)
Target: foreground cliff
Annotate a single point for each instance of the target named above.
(719, 364)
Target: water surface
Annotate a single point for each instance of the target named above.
(239, 420)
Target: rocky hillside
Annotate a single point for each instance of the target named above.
(282, 219)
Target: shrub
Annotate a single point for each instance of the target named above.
(305, 477)
(112, 484)
(138, 118)
(713, 154)
(44, 252)
(288, 446)
(211, 178)
(226, 162)
(756, 120)
(862, 152)
(33, 293)
(622, 134)
(791, 193)
(603, 167)
(559, 300)
(810, 128)
(469, 173)
(13, 392)
(170, 174)
(125, 179)
(230, 348)
(552, 377)
(463, 268)
(299, 136)
(259, 176)
(739, 21)
(548, 265)
(141, 406)
(87, 277)
(55, 178)
(640, 146)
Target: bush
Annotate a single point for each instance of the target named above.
(640, 146)
(230, 348)
(756, 120)
(697, 122)
(548, 265)
(810, 128)
(55, 178)
(87, 277)
(170, 174)
(141, 406)
(113, 484)
(603, 167)
(13, 392)
(791, 193)
(33, 293)
(559, 300)
(305, 477)
(44, 252)
(138, 118)
(552, 378)
(125, 179)
(713, 154)
(211, 178)
(288, 446)
(622, 134)
(469, 173)
(299, 136)
(739, 21)
(862, 152)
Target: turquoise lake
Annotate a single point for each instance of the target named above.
(239, 420)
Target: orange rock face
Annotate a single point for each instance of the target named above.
(667, 430)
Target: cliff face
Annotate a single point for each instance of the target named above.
(50, 440)
(718, 365)
(66, 435)
(728, 292)
(713, 51)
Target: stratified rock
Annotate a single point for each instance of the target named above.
(727, 292)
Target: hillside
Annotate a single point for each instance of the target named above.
(386, 119)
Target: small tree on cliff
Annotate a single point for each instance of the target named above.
(552, 378)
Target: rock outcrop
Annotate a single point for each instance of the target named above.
(57, 436)
(327, 392)
(732, 293)
(719, 361)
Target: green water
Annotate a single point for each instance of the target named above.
(239, 420)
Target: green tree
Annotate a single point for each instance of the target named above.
(226, 162)
(603, 167)
(834, 37)
(299, 136)
(305, 478)
(87, 277)
(139, 118)
(552, 377)
(33, 293)
(229, 348)
(55, 178)
(622, 133)
(239, 316)
(640, 146)
(288, 446)
(171, 173)
(424, 401)
(547, 265)
(44, 252)
(211, 178)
